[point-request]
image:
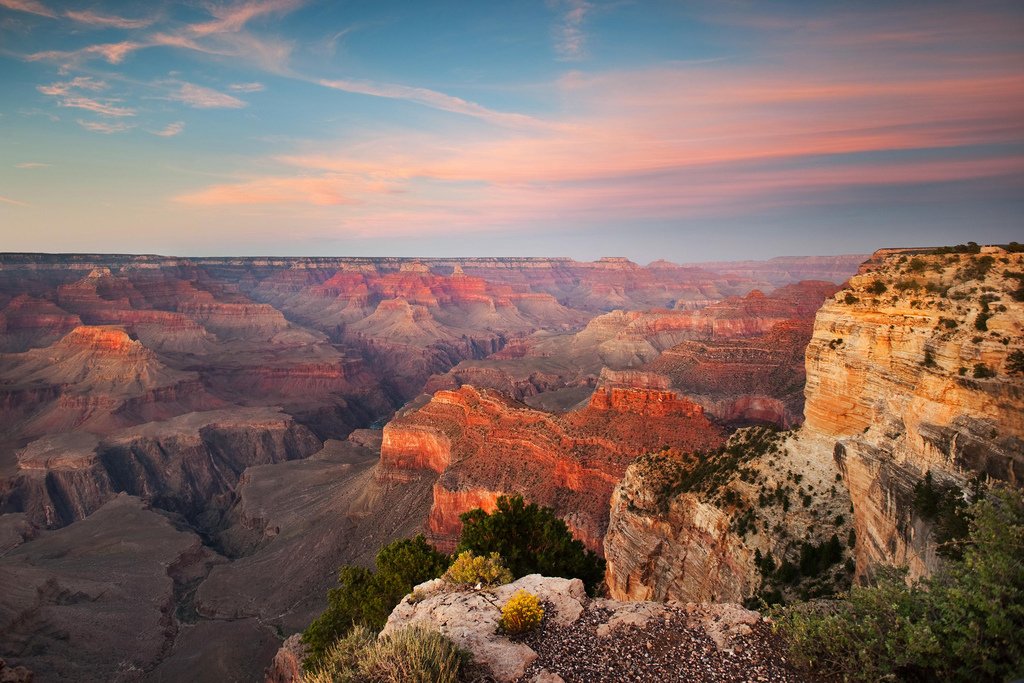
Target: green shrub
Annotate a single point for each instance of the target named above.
(521, 613)
(877, 287)
(917, 265)
(365, 598)
(963, 624)
(414, 654)
(531, 540)
(470, 569)
(850, 299)
(1015, 362)
(982, 371)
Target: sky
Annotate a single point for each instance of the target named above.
(687, 131)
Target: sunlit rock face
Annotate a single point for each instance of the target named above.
(483, 445)
(916, 367)
(909, 371)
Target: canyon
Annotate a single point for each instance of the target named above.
(232, 410)
(914, 388)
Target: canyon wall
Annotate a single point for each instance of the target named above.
(911, 371)
(915, 387)
(481, 445)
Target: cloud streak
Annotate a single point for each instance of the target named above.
(201, 97)
(28, 6)
(570, 40)
(94, 19)
(104, 127)
(170, 130)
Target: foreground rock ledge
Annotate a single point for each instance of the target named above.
(584, 639)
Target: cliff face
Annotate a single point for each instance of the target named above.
(184, 464)
(697, 528)
(916, 369)
(484, 445)
(910, 371)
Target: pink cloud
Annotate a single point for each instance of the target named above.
(234, 17)
(318, 191)
(107, 21)
(104, 127)
(13, 202)
(246, 87)
(205, 98)
(434, 99)
(114, 53)
(29, 6)
(103, 108)
(170, 130)
(570, 40)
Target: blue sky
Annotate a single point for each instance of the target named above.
(686, 131)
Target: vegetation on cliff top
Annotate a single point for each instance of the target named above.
(965, 623)
(515, 540)
(531, 540)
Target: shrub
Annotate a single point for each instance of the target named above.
(412, 655)
(982, 371)
(904, 285)
(877, 287)
(531, 540)
(471, 569)
(1015, 362)
(981, 322)
(850, 299)
(415, 654)
(962, 624)
(917, 265)
(521, 613)
(365, 598)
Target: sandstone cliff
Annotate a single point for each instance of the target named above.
(482, 445)
(910, 371)
(914, 388)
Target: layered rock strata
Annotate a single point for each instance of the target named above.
(483, 445)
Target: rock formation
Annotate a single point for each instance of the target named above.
(483, 445)
(595, 639)
(910, 371)
(914, 388)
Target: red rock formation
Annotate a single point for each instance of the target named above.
(485, 445)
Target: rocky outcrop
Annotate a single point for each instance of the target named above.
(697, 528)
(909, 372)
(595, 639)
(484, 445)
(185, 464)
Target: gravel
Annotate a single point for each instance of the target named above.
(672, 648)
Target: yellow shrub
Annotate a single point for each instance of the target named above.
(521, 613)
(472, 569)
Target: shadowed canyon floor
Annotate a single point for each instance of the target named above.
(193, 428)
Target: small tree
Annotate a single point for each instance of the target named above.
(531, 540)
(365, 598)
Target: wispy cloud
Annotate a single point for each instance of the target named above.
(104, 127)
(201, 97)
(91, 18)
(13, 202)
(31, 165)
(77, 83)
(90, 104)
(434, 99)
(30, 6)
(247, 87)
(570, 40)
(234, 17)
(170, 130)
(114, 53)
